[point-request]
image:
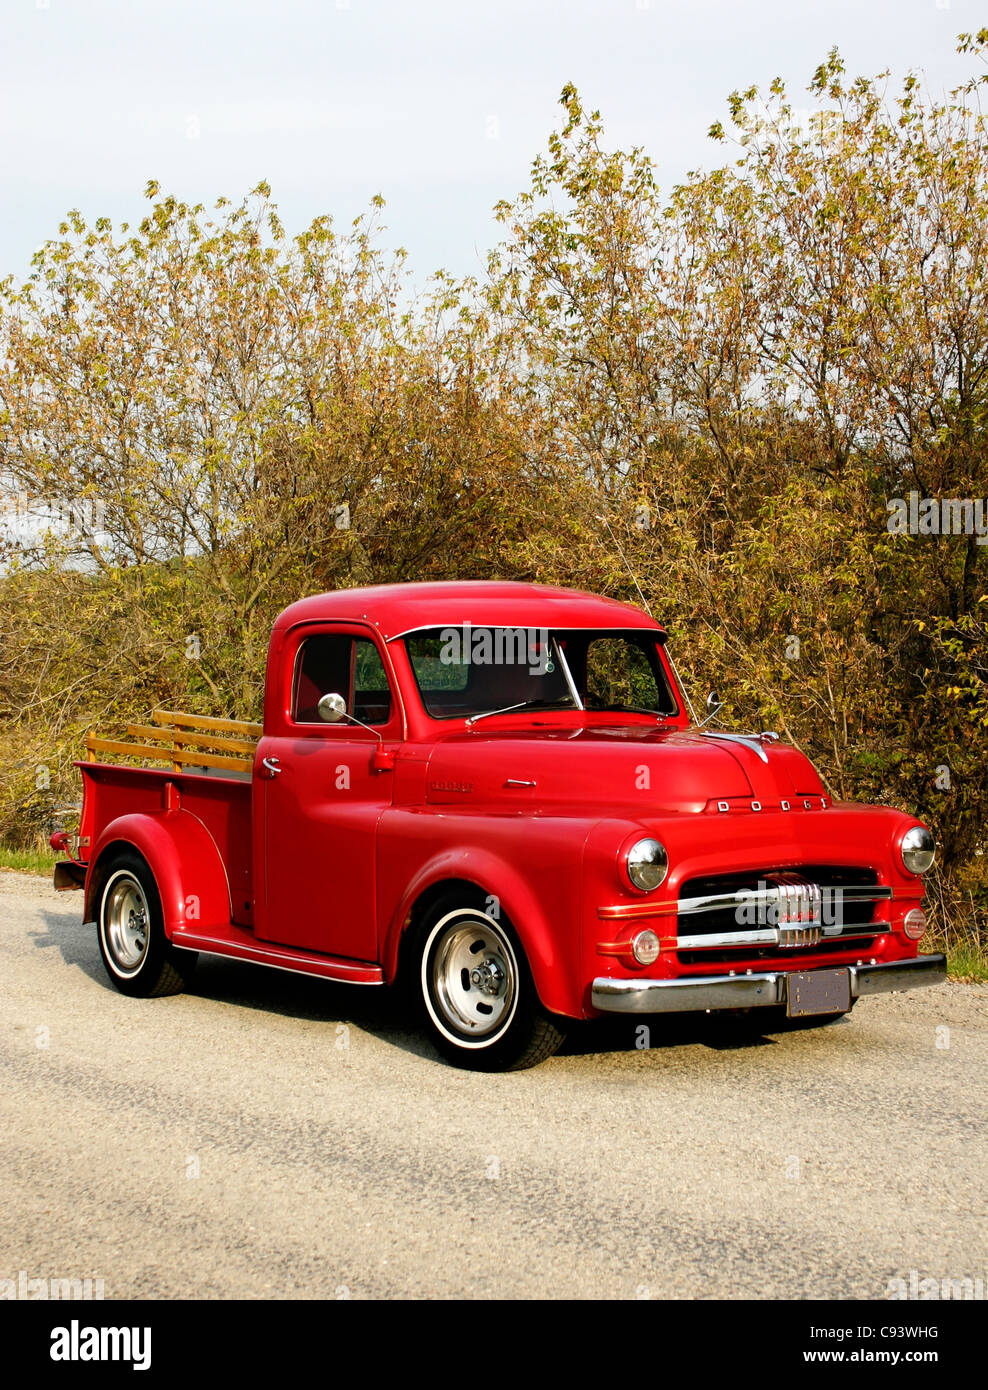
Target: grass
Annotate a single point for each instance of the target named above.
(967, 962)
(28, 861)
(958, 913)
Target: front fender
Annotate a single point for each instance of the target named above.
(187, 866)
(543, 928)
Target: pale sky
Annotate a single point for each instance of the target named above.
(439, 106)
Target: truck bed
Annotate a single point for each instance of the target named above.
(221, 801)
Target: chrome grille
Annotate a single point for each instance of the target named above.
(787, 909)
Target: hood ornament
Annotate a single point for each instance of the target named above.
(752, 741)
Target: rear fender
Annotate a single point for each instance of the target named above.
(188, 868)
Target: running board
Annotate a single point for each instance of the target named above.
(245, 946)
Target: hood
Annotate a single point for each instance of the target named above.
(611, 768)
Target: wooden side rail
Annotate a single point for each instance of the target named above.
(193, 740)
(202, 721)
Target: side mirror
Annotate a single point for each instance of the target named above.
(331, 708)
(714, 704)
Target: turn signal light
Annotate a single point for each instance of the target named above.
(914, 923)
(645, 947)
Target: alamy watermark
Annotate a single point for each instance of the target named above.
(25, 1288)
(938, 516)
(82, 1343)
(958, 1288)
(497, 646)
(769, 904)
(86, 515)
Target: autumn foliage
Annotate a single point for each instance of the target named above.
(728, 382)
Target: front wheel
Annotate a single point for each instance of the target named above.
(478, 998)
(138, 956)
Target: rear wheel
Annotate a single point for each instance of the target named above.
(477, 995)
(138, 956)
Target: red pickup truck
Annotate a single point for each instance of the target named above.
(497, 794)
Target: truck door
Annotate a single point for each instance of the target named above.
(322, 798)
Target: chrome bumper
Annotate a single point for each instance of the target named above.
(753, 991)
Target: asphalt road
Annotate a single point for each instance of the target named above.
(269, 1136)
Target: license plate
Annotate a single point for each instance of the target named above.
(819, 992)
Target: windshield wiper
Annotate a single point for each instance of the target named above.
(634, 709)
(522, 704)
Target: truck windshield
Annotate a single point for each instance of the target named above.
(466, 672)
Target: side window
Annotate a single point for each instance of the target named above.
(322, 665)
(349, 666)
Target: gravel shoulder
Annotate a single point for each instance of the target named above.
(270, 1136)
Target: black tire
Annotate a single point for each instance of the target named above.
(137, 954)
(515, 1032)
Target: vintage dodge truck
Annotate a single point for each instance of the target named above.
(496, 795)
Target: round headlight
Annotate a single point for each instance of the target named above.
(646, 947)
(648, 864)
(918, 849)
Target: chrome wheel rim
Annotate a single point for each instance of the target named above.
(126, 923)
(471, 976)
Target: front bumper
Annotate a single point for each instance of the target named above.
(753, 991)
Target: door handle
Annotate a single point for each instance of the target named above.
(272, 766)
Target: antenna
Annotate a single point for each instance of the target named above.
(648, 610)
(624, 557)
